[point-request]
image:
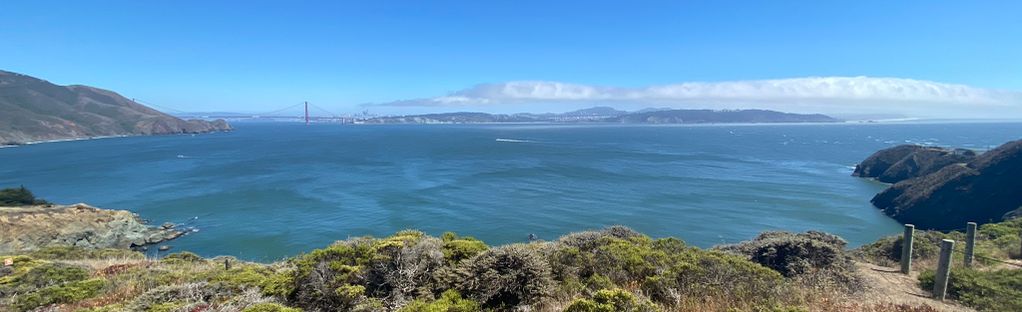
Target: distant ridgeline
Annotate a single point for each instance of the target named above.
(35, 110)
(940, 188)
(610, 115)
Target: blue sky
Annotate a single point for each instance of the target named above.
(401, 55)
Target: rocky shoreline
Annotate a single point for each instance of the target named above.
(30, 228)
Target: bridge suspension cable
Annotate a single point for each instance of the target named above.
(331, 114)
(270, 113)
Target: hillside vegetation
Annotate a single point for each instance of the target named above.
(37, 110)
(615, 269)
(12, 197)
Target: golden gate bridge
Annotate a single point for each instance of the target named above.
(303, 111)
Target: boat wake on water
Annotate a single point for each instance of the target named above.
(514, 140)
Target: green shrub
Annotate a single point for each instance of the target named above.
(457, 248)
(118, 307)
(66, 293)
(19, 197)
(507, 276)
(167, 307)
(78, 253)
(240, 277)
(176, 295)
(449, 301)
(667, 270)
(699, 274)
(795, 254)
(612, 300)
(183, 256)
(280, 285)
(270, 307)
(887, 251)
(397, 268)
(1000, 239)
(53, 274)
(998, 290)
(616, 252)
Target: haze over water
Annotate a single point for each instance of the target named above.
(271, 190)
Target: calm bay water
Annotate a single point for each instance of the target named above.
(272, 190)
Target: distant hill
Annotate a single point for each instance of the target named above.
(36, 110)
(595, 111)
(610, 115)
(700, 116)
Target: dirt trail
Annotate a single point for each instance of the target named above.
(889, 285)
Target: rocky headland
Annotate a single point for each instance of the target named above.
(35, 110)
(904, 162)
(938, 188)
(28, 228)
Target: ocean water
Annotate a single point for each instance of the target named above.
(272, 190)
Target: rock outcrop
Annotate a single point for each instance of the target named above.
(904, 162)
(985, 189)
(36, 110)
(32, 227)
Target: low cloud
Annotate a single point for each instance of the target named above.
(840, 95)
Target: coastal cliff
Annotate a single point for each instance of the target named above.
(36, 110)
(28, 228)
(904, 162)
(935, 189)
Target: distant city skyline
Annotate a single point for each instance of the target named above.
(915, 58)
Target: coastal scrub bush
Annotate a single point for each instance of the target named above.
(795, 254)
(19, 196)
(76, 253)
(321, 272)
(176, 295)
(616, 252)
(508, 276)
(64, 293)
(270, 307)
(183, 256)
(457, 248)
(407, 269)
(52, 274)
(667, 270)
(449, 301)
(612, 300)
(706, 274)
(350, 273)
(1003, 237)
(280, 285)
(887, 251)
(241, 277)
(996, 290)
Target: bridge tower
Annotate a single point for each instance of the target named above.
(306, 113)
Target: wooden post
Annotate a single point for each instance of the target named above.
(943, 269)
(906, 249)
(970, 243)
(227, 263)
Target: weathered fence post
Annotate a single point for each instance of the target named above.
(906, 249)
(943, 269)
(227, 263)
(970, 243)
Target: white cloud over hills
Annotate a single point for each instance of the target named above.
(834, 95)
